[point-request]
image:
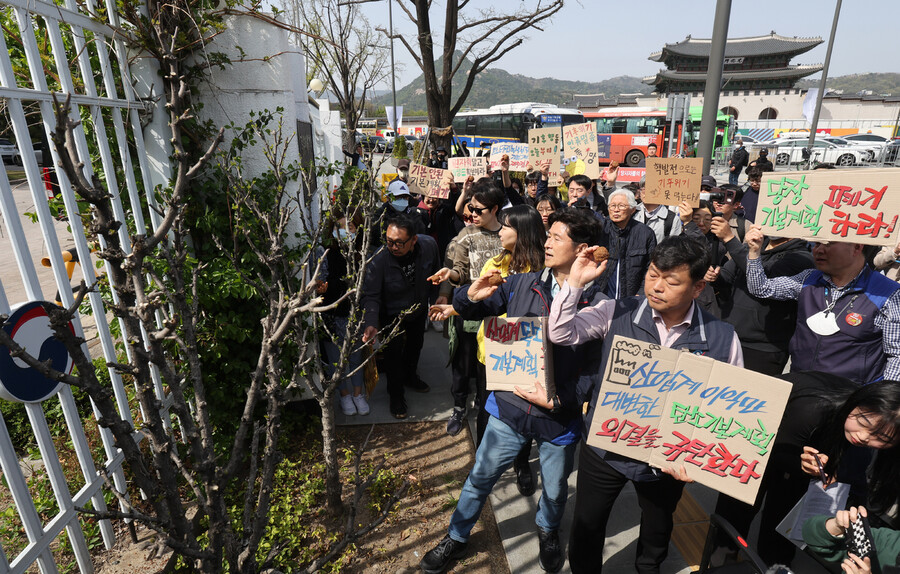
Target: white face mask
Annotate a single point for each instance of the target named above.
(403, 173)
(344, 235)
(400, 203)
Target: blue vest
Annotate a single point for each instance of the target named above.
(856, 351)
(633, 318)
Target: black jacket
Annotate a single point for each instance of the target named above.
(629, 256)
(386, 292)
(761, 324)
(739, 159)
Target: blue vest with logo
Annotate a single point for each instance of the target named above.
(856, 351)
(633, 318)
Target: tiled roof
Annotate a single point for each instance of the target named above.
(736, 47)
(789, 72)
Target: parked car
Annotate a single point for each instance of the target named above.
(868, 138)
(790, 151)
(38, 155)
(870, 150)
(375, 143)
(8, 151)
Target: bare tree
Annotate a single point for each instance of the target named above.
(481, 36)
(155, 279)
(343, 49)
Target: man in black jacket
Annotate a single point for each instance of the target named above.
(738, 161)
(630, 246)
(765, 326)
(396, 279)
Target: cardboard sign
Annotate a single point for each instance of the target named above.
(427, 181)
(580, 141)
(671, 180)
(462, 167)
(670, 408)
(517, 152)
(855, 206)
(517, 355)
(546, 144)
(630, 174)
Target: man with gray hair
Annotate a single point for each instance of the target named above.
(630, 245)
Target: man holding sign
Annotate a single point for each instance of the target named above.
(528, 413)
(848, 316)
(666, 317)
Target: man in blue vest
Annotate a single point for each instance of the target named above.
(666, 316)
(848, 316)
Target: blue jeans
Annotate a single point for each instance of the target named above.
(733, 176)
(497, 451)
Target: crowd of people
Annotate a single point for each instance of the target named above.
(703, 279)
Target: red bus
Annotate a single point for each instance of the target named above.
(623, 134)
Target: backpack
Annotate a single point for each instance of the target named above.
(670, 220)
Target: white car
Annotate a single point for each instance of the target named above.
(868, 148)
(791, 151)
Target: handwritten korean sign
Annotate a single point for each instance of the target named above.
(857, 206)
(463, 167)
(546, 144)
(516, 354)
(517, 152)
(672, 180)
(427, 181)
(670, 408)
(580, 141)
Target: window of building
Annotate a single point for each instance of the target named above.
(768, 114)
(730, 111)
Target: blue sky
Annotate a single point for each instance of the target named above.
(590, 40)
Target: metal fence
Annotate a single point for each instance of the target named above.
(48, 49)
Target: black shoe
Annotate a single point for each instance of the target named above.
(438, 558)
(418, 385)
(457, 419)
(524, 479)
(551, 553)
(398, 407)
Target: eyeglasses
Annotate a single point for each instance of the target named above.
(476, 210)
(399, 244)
(619, 207)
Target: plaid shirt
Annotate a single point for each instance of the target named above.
(784, 288)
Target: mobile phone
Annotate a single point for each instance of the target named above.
(859, 538)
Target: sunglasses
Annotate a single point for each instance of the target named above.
(477, 210)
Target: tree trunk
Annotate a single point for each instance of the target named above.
(333, 487)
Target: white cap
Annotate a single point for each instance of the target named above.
(398, 188)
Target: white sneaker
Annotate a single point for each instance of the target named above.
(348, 405)
(362, 407)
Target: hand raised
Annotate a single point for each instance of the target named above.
(585, 268)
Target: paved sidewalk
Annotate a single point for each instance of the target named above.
(515, 513)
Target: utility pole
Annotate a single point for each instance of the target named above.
(394, 125)
(713, 82)
(821, 94)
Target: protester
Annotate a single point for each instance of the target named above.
(532, 179)
(764, 326)
(728, 206)
(403, 170)
(583, 194)
(630, 246)
(847, 314)
(830, 417)
(827, 538)
(335, 320)
(663, 220)
(701, 230)
(396, 280)
(651, 152)
(357, 159)
(763, 163)
(546, 206)
(738, 161)
(750, 198)
(466, 257)
(672, 282)
(522, 236)
(519, 417)
(608, 179)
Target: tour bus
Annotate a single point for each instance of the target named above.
(623, 134)
(510, 122)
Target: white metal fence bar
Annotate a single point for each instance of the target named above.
(61, 21)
